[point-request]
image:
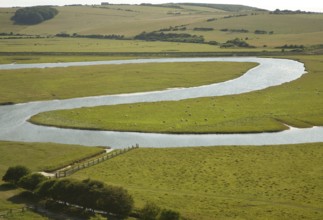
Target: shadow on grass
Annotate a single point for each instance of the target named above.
(50, 209)
(7, 187)
(24, 197)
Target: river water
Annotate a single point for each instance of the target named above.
(270, 72)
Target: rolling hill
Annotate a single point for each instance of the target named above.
(214, 22)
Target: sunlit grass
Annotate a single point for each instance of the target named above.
(275, 182)
(62, 83)
(298, 103)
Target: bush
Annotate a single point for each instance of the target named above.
(168, 214)
(44, 190)
(149, 212)
(14, 174)
(203, 29)
(170, 37)
(236, 43)
(31, 181)
(260, 32)
(115, 200)
(34, 15)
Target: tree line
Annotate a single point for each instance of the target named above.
(34, 15)
(88, 194)
(171, 37)
(284, 12)
(236, 43)
(96, 36)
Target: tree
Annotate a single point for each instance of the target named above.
(34, 15)
(31, 181)
(149, 212)
(44, 190)
(60, 190)
(168, 214)
(91, 193)
(14, 174)
(115, 200)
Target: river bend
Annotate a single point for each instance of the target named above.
(270, 72)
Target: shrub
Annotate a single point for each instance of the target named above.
(236, 43)
(149, 212)
(31, 181)
(168, 214)
(171, 37)
(115, 200)
(44, 190)
(203, 29)
(14, 174)
(260, 32)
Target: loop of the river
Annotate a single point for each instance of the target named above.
(269, 72)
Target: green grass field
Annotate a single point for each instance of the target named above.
(97, 45)
(275, 182)
(297, 103)
(61, 83)
(256, 182)
(22, 59)
(131, 20)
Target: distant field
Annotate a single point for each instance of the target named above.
(276, 182)
(37, 157)
(115, 19)
(62, 83)
(22, 59)
(81, 45)
(131, 20)
(96, 45)
(298, 103)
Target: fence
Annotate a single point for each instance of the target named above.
(69, 171)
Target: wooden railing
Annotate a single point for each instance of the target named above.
(70, 170)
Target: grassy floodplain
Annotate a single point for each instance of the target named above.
(96, 45)
(61, 83)
(275, 182)
(298, 103)
(37, 157)
(34, 58)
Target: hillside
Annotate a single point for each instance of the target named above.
(213, 22)
(226, 7)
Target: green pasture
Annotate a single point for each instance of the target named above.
(62, 83)
(128, 20)
(37, 157)
(288, 29)
(252, 182)
(97, 45)
(22, 59)
(298, 103)
(131, 20)
(274, 182)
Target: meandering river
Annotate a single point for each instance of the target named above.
(270, 72)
